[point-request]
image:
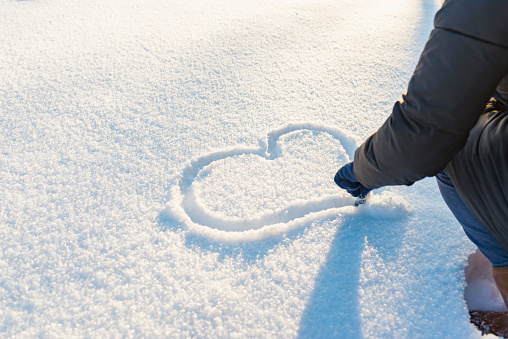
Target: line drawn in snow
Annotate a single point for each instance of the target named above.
(184, 207)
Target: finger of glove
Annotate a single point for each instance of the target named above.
(353, 188)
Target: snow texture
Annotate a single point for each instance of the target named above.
(243, 217)
(166, 170)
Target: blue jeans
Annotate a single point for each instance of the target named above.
(473, 228)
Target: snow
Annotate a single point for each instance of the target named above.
(166, 170)
(233, 194)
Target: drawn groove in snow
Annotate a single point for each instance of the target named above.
(187, 206)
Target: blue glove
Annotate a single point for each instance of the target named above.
(345, 179)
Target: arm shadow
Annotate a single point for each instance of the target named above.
(333, 309)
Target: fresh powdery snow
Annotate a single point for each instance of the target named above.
(166, 170)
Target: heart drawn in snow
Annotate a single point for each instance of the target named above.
(255, 192)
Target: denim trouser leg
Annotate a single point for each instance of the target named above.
(472, 227)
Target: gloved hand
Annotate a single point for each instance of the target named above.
(345, 179)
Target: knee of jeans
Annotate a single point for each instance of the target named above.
(443, 178)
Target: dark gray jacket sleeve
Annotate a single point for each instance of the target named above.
(464, 60)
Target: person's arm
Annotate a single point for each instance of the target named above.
(456, 75)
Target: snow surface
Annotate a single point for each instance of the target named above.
(166, 170)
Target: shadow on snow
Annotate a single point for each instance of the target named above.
(333, 309)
